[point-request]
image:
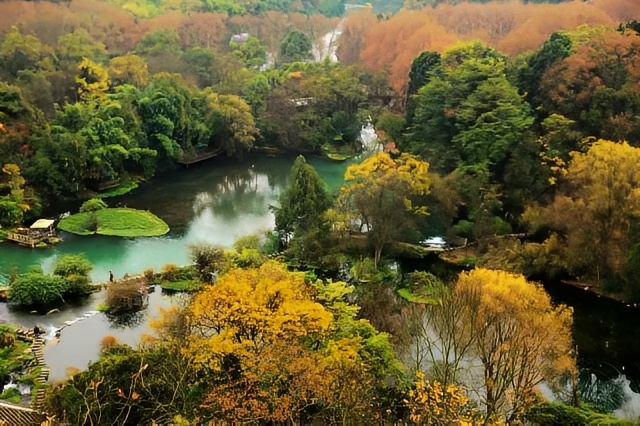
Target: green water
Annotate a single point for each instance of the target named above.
(215, 202)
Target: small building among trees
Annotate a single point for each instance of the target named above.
(42, 231)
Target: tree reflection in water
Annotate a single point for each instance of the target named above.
(126, 319)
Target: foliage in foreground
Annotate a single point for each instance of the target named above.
(13, 355)
(275, 349)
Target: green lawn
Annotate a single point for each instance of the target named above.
(119, 222)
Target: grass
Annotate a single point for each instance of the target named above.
(185, 285)
(118, 222)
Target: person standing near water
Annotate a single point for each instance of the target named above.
(110, 276)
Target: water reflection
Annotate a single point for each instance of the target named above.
(123, 320)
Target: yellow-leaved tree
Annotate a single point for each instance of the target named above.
(520, 338)
(129, 69)
(380, 194)
(13, 200)
(271, 347)
(498, 334)
(592, 215)
(250, 309)
(93, 79)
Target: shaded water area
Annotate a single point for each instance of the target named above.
(220, 200)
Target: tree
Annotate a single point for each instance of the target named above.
(278, 306)
(596, 85)
(209, 260)
(251, 52)
(520, 338)
(78, 45)
(15, 199)
(380, 194)
(35, 289)
(420, 74)
(75, 269)
(295, 46)
(21, 52)
(490, 122)
(93, 79)
(233, 129)
(303, 205)
(555, 49)
(129, 69)
(278, 351)
(468, 114)
(591, 217)
(316, 106)
(509, 327)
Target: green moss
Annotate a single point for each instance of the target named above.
(338, 157)
(119, 190)
(118, 222)
(187, 285)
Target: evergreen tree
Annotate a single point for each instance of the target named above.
(300, 217)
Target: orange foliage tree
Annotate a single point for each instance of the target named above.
(598, 85)
(512, 27)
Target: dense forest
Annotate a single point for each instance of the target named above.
(514, 127)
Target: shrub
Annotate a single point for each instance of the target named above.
(249, 258)
(74, 268)
(209, 259)
(252, 241)
(126, 295)
(93, 205)
(107, 342)
(168, 271)
(149, 274)
(37, 289)
(11, 395)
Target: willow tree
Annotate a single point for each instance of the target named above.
(380, 194)
(520, 338)
(499, 335)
